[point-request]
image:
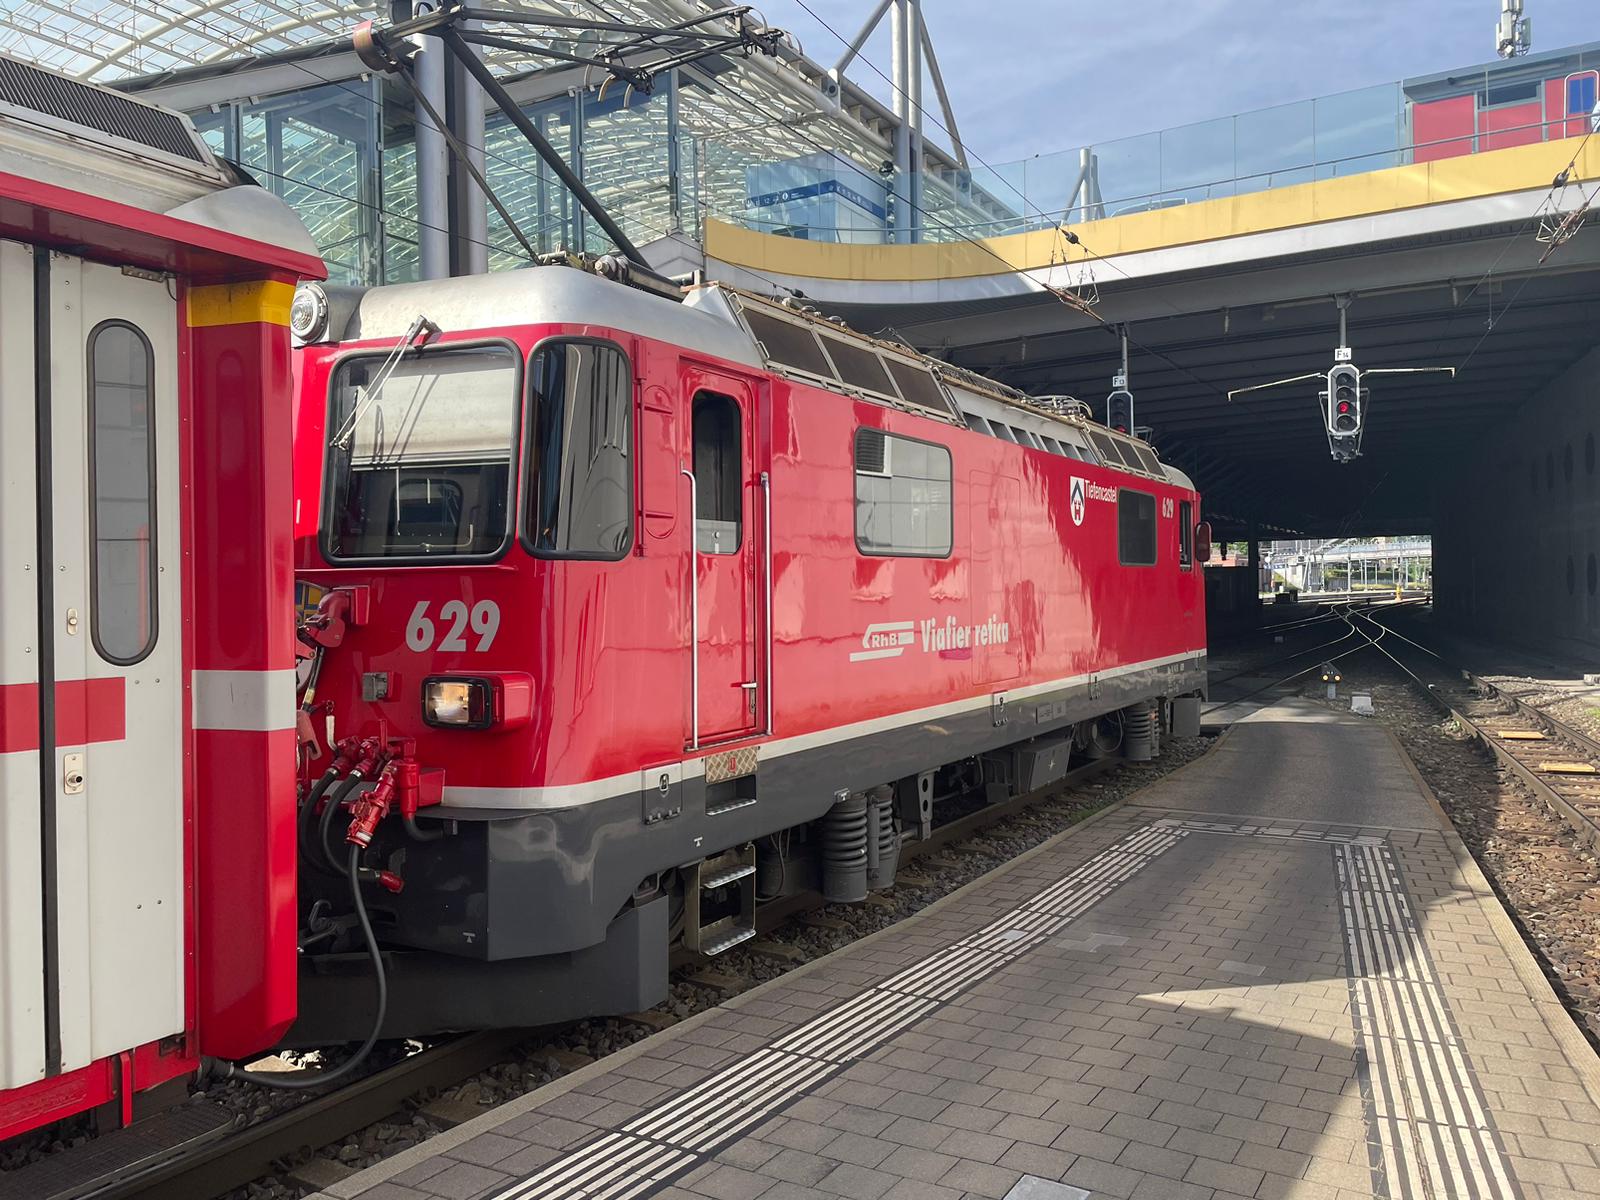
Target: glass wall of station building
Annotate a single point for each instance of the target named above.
(343, 154)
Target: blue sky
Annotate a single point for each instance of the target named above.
(1032, 76)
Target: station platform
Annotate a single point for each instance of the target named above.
(1277, 973)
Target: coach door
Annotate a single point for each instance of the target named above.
(91, 834)
(729, 501)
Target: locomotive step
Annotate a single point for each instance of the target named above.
(100, 1166)
(726, 941)
(730, 875)
(720, 901)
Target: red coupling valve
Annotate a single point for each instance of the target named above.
(390, 882)
(369, 808)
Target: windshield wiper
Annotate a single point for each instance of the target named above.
(420, 326)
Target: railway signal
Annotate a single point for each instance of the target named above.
(1119, 408)
(1343, 400)
(1119, 404)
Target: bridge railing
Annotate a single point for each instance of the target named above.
(824, 198)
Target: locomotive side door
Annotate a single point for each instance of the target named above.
(727, 553)
(111, 620)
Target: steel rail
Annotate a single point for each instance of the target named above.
(1351, 632)
(235, 1160)
(1585, 827)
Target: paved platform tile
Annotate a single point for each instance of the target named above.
(1165, 1004)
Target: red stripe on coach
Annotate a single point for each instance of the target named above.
(87, 710)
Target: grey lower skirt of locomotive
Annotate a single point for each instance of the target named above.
(526, 918)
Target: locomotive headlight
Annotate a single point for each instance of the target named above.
(457, 703)
(308, 314)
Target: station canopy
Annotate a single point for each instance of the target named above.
(105, 40)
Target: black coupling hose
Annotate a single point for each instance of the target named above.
(418, 834)
(222, 1069)
(308, 810)
(321, 851)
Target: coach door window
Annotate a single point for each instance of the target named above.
(122, 474)
(580, 481)
(1136, 528)
(903, 502)
(718, 474)
(1185, 534)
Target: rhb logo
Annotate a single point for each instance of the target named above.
(885, 639)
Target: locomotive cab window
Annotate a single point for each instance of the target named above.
(903, 496)
(1136, 528)
(1185, 534)
(718, 474)
(580, 456)
(420, 454)
(122, 479)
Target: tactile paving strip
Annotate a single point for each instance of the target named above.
(1430, 1132)
(655, 1147)
(1432, 1135)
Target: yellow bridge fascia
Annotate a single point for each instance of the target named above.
(1373, 193)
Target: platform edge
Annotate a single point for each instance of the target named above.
(1580, 1053)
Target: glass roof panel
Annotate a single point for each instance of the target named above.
(106, 40)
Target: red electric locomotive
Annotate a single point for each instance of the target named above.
(147, 912)
(632, 612)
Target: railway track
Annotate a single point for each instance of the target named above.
(241, 1156)
(1558, 763)
(1348, 639)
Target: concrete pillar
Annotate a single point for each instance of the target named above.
(905, 25)
(433, 159)
(1255, 565)
(470, 207)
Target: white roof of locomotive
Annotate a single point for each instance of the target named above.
(707, 322)
(546, 295)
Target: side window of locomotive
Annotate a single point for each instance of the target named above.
(122, 478)
(903, 500)
(420, 457)
(580, 455)
(1185, 534)
(1136, 528)
(718, 474)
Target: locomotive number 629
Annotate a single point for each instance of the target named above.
(483, 619)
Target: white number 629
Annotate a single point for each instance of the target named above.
(484, 620)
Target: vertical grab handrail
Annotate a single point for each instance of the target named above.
(694, 607)
(766, 545)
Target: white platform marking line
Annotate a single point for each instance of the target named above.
(1419, 1086)
(770, 1078)
(568, 1178)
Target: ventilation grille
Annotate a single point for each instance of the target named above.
(95, 108)
(872, 452)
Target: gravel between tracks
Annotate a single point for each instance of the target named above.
(811, 936)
